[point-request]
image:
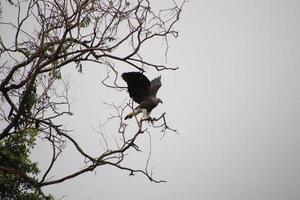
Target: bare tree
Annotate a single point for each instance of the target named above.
(50, 35)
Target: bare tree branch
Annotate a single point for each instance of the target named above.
(72, 33)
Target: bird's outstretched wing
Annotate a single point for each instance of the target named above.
(138, 85)
(155, 84)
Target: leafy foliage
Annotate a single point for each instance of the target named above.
(14, 155)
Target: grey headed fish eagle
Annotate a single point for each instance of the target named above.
(142, 91)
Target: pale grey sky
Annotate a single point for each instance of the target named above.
(235, 101)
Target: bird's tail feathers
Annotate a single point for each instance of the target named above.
(134, 113)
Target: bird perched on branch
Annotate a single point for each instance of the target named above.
(143, 92)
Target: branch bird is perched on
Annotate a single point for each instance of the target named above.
(143, 92)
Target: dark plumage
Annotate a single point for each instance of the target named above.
(143, 92)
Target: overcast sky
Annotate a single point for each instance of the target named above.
(235, 101)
